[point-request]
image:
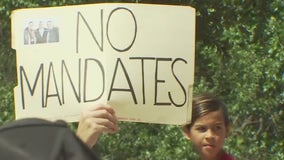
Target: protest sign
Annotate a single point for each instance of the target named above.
(139, 58)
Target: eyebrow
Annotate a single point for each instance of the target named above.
(199, 125)
(217, 123)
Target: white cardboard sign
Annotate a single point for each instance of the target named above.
(139, 58)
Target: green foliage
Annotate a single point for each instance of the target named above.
(239, 56)
(145, 141)
(6, 101)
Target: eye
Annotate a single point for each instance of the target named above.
(218, 127)
(201, 129)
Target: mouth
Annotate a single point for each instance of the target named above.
(209, 146)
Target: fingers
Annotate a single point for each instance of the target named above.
(96, 120)
(99, 125)
(103, 107)
(101, 113)
(99, 118)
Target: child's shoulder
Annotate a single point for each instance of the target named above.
(227, 157)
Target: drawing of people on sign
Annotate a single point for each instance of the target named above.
(29, 33)
(53, 32)
(43, 32)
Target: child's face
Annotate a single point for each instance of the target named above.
(208, 134)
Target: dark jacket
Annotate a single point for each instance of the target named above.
(37, 139)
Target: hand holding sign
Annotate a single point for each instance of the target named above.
(96, 120)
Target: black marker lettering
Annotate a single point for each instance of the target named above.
(56, 94)
(107, 30)
(101, 45)
(143, 73)
(130, 89)
(31, 89)
(159, 81)
(87, 61)
(77, 92)
(182, 87)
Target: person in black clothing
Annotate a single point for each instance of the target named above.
(35, 138)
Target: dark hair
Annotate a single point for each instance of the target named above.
(203, 104)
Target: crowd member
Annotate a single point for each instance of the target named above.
(209, 127)
(207, 131)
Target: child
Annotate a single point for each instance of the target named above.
(209, 127)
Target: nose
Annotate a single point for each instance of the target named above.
(210, 133)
